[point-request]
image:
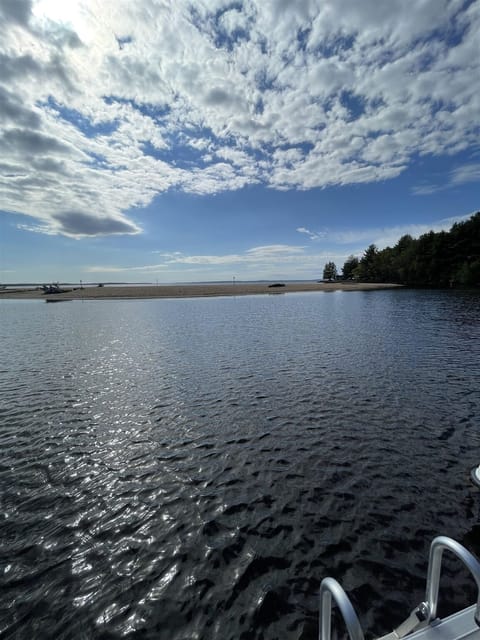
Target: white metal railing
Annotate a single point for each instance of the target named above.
(434, 566)
(328, 589)
(421, 616)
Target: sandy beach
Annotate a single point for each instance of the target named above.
(187, 290)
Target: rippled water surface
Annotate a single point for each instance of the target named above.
(192, 469)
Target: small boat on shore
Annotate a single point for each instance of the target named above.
(53, 288)
(422, 623)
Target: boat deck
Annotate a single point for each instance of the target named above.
(459, 625)
(422, 623)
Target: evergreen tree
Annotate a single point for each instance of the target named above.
(368, 268)
(442, 259)
(349, 267)
(330, 271)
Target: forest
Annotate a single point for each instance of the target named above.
(435, 259)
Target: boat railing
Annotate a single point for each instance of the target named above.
(328, 589)
(434, 567)
(420, 617)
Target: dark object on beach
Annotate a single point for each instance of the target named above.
(276, 284)
(52, 288)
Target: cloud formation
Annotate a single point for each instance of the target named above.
(382, 237)
(105, 105)
(267, 261)
(274, 261)
(461, 175)
(79, 223)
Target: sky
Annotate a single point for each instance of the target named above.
(205, 140)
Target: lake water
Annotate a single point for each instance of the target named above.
(192, 469)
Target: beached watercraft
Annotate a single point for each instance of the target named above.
(422, 623)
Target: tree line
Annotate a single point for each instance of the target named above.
(435, 259)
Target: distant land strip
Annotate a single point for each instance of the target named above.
(190, 290)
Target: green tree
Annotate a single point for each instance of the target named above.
(330, 271)
(441, 259)
(351, 263)
(368, 266)
(403, 259)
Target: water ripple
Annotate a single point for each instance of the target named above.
(193, 468)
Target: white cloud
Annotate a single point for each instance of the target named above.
(269, 259)
(467, 173)
(274, 250)
(380, 236)
(313, 235)
(105, 105)
(278, 261)
(459, 176)
(255, 255)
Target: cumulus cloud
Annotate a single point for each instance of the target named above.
(31, 143)
(79, 223)
(106, 105)
(16, 11)
(12, 110)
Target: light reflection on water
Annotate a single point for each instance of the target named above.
(193, 468)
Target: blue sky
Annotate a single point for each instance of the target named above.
(192, 141)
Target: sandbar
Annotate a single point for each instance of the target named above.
(107, 292)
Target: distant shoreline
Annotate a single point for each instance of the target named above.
(189, 290)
